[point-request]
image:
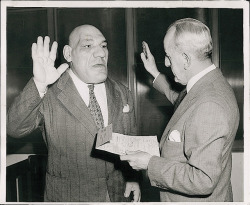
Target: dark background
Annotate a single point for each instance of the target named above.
(124, 30)
(24, 25)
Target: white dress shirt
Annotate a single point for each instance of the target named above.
(100, 94)
(198, 76)
(83, 90)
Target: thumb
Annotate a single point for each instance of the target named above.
(127, 190)
(143, 58)
(62, 68)
(124, 157)
(131, 152)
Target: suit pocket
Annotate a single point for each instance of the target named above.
(173, 151)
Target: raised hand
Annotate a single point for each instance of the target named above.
(149, 61)
(44, 60)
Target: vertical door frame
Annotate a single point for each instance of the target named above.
(131, 39)
(214, 25)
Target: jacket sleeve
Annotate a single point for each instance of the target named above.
(162, 85)
(206, 132)
(24, 115)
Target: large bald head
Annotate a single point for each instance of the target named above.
(87, 51)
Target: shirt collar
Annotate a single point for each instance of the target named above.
(198, 76)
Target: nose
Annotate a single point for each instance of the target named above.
(99, 52)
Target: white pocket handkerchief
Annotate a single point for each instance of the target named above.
(126, 108)
(175, 136)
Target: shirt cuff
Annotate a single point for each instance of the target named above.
(41, 87)
(156, 76)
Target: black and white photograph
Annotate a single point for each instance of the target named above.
(122, 101)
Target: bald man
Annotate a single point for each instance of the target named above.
(70, 107)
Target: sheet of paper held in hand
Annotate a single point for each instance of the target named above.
(119, 143)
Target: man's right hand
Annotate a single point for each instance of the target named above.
(149, 62)
(43, 62)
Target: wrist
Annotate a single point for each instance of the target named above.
(154, 71)
(155, 74)
(41, 87)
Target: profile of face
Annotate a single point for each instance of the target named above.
(174, 58)
(88, 53)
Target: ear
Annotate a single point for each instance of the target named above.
(67, 53)
(187, 60)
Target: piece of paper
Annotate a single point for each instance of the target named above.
(120, 144)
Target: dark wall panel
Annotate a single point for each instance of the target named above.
(24, 25)
(23, 28)
(111, 23)
(231, 55)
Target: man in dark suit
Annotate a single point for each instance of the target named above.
(196, 160)
(70, 107)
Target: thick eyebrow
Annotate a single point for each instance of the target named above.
(86, 40)
(105, 41)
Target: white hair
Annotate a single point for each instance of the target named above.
(192, 36)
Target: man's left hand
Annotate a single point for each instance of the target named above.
(135, 188)
(137, 160)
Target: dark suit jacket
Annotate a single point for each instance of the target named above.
(75, 171)
(199, 167)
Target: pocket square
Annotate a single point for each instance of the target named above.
(175, 136)
(126, 108)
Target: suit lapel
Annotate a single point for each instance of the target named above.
(177, 114)
(189, 100)
(70, 98)
(112, 100)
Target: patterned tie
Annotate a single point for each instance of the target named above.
(94, 108)
(181, 96)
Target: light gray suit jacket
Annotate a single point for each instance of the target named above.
(199, 167)
(75, 170)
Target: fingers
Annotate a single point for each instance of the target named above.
(130, 159)
(132, 152)
(34, 51)
(125, 157)
(127, 190)
(147, 52)
(62, 68)
(143, 58)
(52, 54)
(40, 46)
(46, 46)
(137, 195)
(146, 47)
(135, 188)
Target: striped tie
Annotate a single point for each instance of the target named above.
(94, 108)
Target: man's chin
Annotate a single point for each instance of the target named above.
(101, 78)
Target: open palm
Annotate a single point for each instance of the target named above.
(44, 60)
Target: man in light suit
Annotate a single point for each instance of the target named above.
(61, 104)
(196, 161)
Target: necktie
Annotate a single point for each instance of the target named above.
(181, 96)
(94, 108)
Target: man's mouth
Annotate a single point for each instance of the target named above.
(99, 65)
